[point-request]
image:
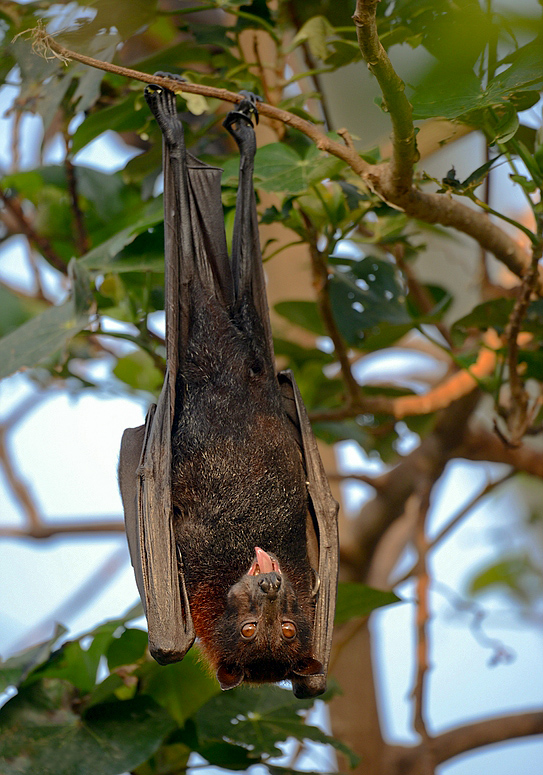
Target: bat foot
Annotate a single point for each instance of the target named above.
(163, 106)
(245, 110)
(172, 76)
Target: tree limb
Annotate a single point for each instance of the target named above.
(431, 208)
(404, 147)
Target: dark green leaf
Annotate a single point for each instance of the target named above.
(358, 600)
(182, 687)
(15, 669)
(128, 648)
(40, 732)
(490, 314)
(279, 168)
(302, 313)
(258, 719)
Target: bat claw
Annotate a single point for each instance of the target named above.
(245, 110)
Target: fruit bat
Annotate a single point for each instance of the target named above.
(231, 525)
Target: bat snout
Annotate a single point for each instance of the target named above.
(270, 584)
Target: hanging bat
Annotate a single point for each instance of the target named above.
(231, 524)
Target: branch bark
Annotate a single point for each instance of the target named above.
(469, 737)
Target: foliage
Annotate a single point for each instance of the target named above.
(71, 715)
(101, 234)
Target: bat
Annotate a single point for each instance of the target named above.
(231, 525)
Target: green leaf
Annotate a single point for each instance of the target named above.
(490, 314)
(139, 371)
(102, 256)
(48, 332)
(279, 168)
(357, 600)
(181, 688)
(125, 116)
(515, 573)
(128, 648)
(301, 313)
(259, 719)
(315, 32)
(41, 733)
(366, 294)
(14, 670)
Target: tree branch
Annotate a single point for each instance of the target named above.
(44, 246)
(389, 502)
(431, 208)
(494, 730)
(459, 740)
(459, 384)
(50, 529)
(404, 147)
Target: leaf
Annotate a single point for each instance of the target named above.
(14, 670)
(258, 719)
(139, 371)
(366, 294)
(124, 116)
(315, 32)
(48, 332)
(440, 94)
(128, 648)
(357, 600)
(516, 573)
(102, 256)
(490, 314)
(301, 313)
(41, 733)
(181, 688)
(279, 168)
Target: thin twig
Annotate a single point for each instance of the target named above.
(42, 243)
(19, 488)
(458, 517)
(519, 416)
(427, 760)
(81, 236)
(51, 529)
(459, 384)
(321, 284)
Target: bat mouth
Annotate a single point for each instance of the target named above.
(263, 563)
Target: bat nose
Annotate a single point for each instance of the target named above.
(270, 584)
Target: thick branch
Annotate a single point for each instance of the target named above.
(428, 460)
(406, 761)
(459, 384)
(494, 730)
(481, 444)
(404, 147)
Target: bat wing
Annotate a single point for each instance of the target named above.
(322, 536)
(144, 474)
(195, 252)
(322, 530)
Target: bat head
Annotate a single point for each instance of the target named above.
(265, 631)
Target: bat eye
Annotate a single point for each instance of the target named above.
(248, 631)
(289, 630)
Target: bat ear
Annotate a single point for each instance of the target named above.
(308, 666)
(229, 678)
